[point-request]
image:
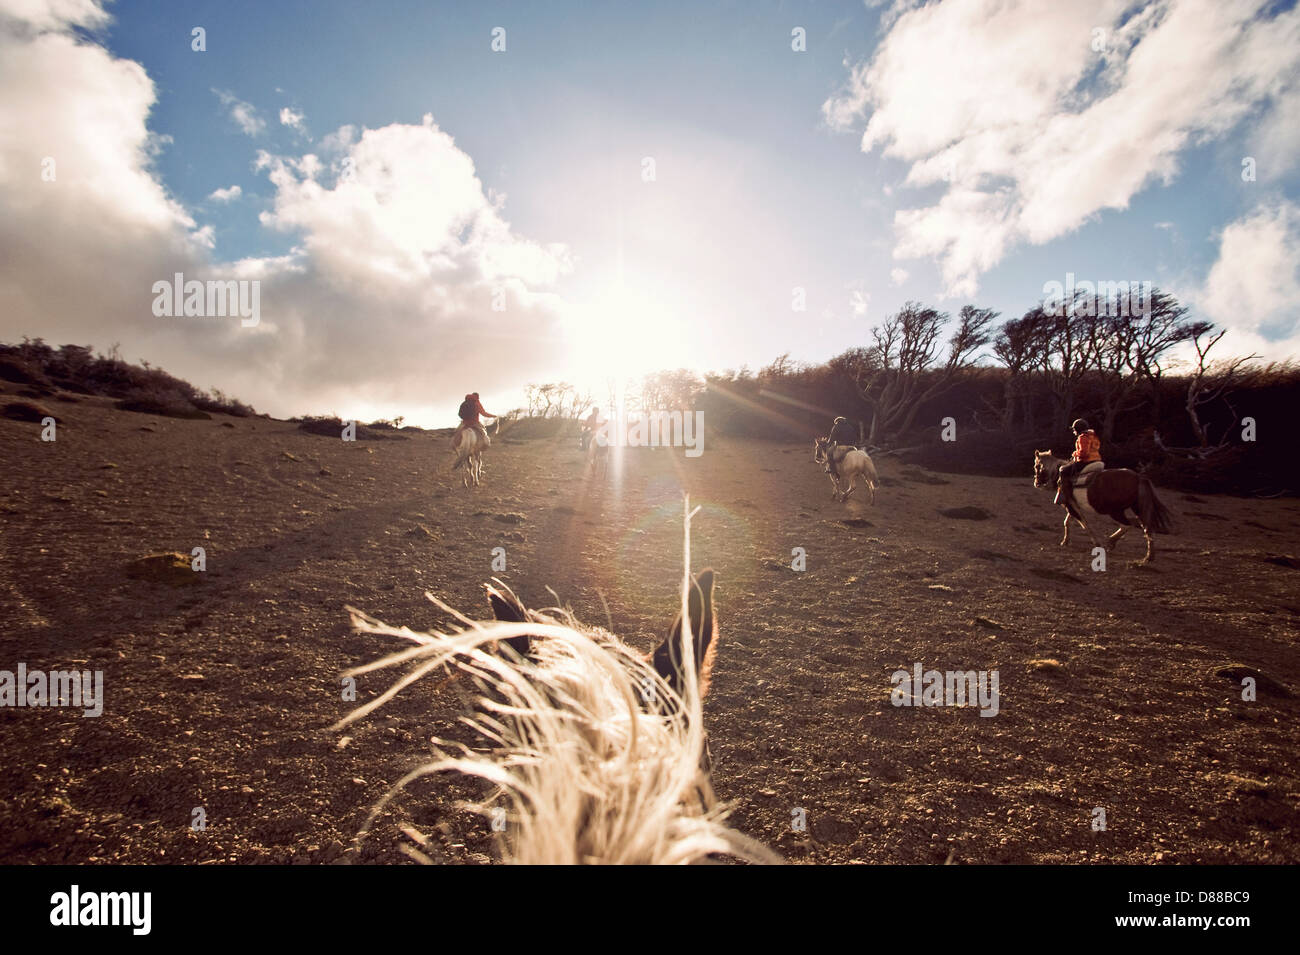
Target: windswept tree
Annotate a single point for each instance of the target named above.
(906, 365)
(1129, 337)
(1020, 345)
(672, 390)
(1065, 356)
(1213, 381)
(557, 399)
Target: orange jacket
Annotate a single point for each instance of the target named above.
(1087, 447)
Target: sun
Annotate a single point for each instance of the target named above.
(623, 336)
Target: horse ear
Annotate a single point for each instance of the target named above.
(668, 657)
(508, 608)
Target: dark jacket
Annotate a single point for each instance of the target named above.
(844, 433)
(470, 409)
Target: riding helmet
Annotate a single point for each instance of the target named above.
(1080, 426)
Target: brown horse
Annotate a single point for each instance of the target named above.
(1110, 492)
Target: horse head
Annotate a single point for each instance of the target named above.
(1045, 468)
(597, 752)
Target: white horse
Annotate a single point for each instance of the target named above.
(468, 446)
(597, 753)
(598, 453)
(851, 463)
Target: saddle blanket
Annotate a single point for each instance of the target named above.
(1085, 475)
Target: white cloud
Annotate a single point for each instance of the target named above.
(1254, 285)
(859, 300)
(898, 276)
(244, 114)
(339, 140)
(229, 194)
(54, 15)
(385, 303)
(291, 118)
(79, 253)
(1035, 133)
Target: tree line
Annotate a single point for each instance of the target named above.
(1146, 375)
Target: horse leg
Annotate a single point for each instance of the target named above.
(1065, 538)
(1113, 539)
(853, 483)
(1151, 544)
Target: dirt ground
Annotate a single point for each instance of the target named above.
(219, 692)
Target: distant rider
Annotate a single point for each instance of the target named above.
(470, 410)
(589, 426)
(1087, 449)
(842, 433)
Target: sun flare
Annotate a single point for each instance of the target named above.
(623, 336)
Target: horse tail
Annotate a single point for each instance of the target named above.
(1155, 516)
(461, 448)
(870, 470)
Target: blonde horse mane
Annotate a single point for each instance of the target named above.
(584, 769)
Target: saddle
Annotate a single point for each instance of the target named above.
(835, 454)
(1087, 473)
(1067, 486)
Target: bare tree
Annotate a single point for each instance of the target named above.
(1128, 339)
(1213, 381)
(901, 369)
(1020, 345)
(1064, 359)
(671, 390)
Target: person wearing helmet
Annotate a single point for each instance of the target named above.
(842, 435)
(1087, 449)
(470, 410)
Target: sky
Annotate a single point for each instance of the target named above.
(438, 198)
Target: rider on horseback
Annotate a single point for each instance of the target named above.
(469, 412)
(589, 426)
(841, 434)
(1087, 449)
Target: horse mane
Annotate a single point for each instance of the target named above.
(583, 769)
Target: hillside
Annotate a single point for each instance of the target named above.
(219, 691)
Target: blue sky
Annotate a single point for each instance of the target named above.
(763, 182)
